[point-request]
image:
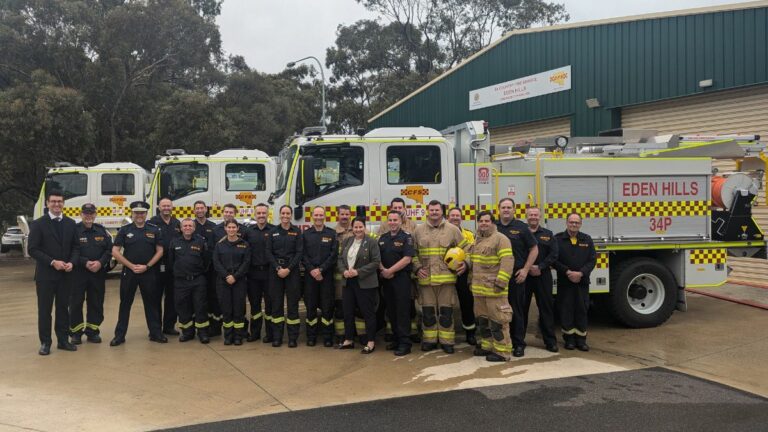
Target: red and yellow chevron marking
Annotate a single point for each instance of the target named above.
(708, 256)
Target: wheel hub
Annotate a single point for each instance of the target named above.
(637, 291)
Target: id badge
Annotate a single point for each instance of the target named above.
(162, 268)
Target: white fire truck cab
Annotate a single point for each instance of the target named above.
(662, 220)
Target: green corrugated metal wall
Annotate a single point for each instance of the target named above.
(620, 64)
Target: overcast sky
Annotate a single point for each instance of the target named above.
(270, 33)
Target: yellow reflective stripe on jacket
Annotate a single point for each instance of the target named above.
(463, 243)
(504, 252)
(484, 259)
(502, 347)
(432, 251)
(438, 279)
(503, 276)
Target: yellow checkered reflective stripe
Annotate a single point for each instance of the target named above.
(202, 324)
(101, 211)
(469, 212)
(660, 208)
(77, 328)
(438, 279)
(486, 291)
(277, 320)
(293, 321)
(311, 322)
(602, 260)
(186, 325)
(561, 210)
(708, 256)
(257, 315)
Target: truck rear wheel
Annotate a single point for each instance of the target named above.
(643, 293)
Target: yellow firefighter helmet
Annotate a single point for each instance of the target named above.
(453, 257)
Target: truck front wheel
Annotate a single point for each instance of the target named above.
(643, 293)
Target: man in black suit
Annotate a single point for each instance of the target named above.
(52, 243)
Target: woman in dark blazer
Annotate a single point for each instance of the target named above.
(359, 262)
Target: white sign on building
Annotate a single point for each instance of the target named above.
(553, 81)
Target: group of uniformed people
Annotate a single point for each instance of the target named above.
(353, 280)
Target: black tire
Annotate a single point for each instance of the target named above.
(4, 248)
(632, 310)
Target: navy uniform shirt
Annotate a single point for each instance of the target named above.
(394, 248)
(258, 238)
(95, 244)
(576, 254)
(188, 257)
(547, 249)
(232, 258)
(284, 247)
(139, 243)
(521, 238)
(319, 249)
(170, 231)
(205, 230)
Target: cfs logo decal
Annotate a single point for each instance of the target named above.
(559, 78)
(119, 200)
(416, 193)
(246, 197)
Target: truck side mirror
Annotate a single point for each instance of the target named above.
(306, 186)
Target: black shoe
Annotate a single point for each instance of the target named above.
(253, 337)
(159, 339)
(45, 349)
(388, 337)
(171, 332)
(448, 349)
(66, 346)
(415, 338)
(493, 357)
(214, 331)
(328, 343)
(276, 343)
(519, 351)
(341, 346)
(227, 341)
(471, 339)
(403, 351)
(76, 339)
(94, 338)
(582, 347)
(552, 348)
(392, 346)
(570, 345)
(428, 346)
(204, 339)
(267, 339)
(311, 342)
(479, 352)
(186, 337)
(292, 343)
(238, 341)
(116, 341)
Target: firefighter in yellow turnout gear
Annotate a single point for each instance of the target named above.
(437, 283)
(491, 261)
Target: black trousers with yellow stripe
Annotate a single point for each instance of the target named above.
(573, 305)
(285, 291)
(191, 300)
(319, 295)
(232, 301)
(90, 286)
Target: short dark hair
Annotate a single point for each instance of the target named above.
(397, 199)
(230, 205)
(187, 219)
(285, 206)
(486, 213)
(54, 192)
(455, 208)
(261, 204)
(358, 219)
(345, 207)
(231, 223)
(507, 199)
(199, 202)
(391, 212)
(434, 203)
(165, 198)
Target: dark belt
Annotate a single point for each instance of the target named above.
(188, 278)
(262, 267)
(282, 262)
